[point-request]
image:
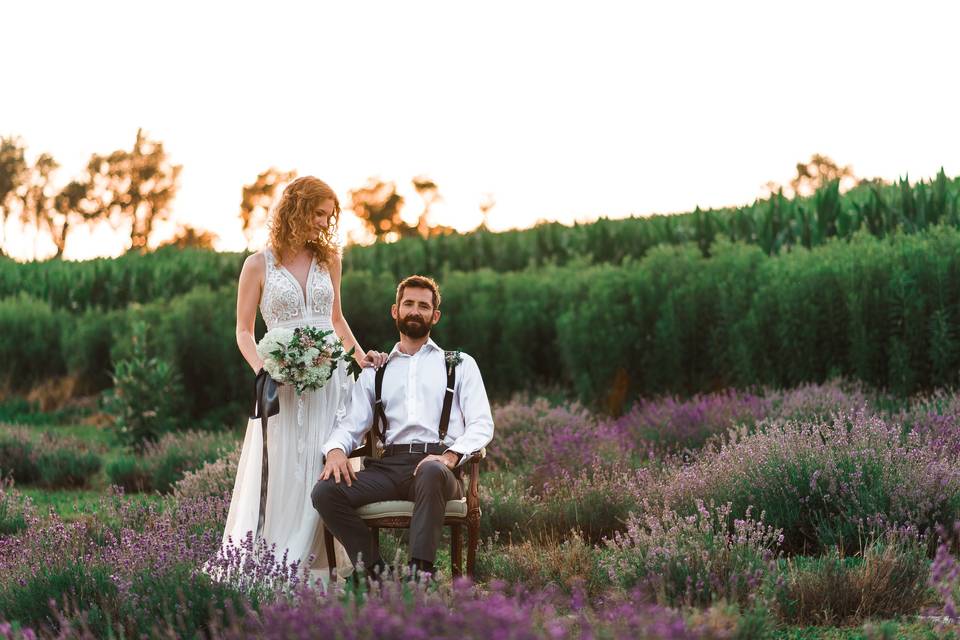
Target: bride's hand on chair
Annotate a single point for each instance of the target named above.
(338, 465)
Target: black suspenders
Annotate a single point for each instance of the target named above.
(378, 413)
(447, 398)
(380, 416)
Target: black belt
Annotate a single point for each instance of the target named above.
(426, 448)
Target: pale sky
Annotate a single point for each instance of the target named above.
(561, 110)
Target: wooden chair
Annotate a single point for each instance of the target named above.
(397, 514)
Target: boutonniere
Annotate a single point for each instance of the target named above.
(453, 358)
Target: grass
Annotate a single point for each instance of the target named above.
(892, 629)
(71, 505)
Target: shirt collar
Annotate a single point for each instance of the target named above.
(396, 349)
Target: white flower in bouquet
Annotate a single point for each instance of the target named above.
(304, 357)
(273, 341)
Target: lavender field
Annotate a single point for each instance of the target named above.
(822, 511)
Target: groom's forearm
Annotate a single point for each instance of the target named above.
(350, 428)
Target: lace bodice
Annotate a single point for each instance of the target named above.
(282, 303)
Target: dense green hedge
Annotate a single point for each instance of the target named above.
(115, 283)
(775, 224)
(885, 311)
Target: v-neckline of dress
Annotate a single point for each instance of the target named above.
(304, 288)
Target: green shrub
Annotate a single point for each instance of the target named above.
(180, 602)
(823, 483)
(87, 346)
(887, 580)
(19, 410)
(14, 508)
(76, 584)
(693, 560)
(128, 472)
(67, 467)
(116, 283)
(17, 456)
(213, 479)
(30, 347)
(196, 333)
(162, 464)
(146, 394)
(567, 564)
(595, 502)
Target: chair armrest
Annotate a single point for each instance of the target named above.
(476, 456)
(473, 486)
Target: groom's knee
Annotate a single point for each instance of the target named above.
(324, 493)
(432, 478)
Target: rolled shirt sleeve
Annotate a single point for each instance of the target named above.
(349, 430)
(477, 418)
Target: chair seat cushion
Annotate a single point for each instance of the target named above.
(401, 508)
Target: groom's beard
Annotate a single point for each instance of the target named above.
(413, 326)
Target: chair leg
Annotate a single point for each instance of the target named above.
(456, 551)
(473, 539)
(374, 542)
(331, 554)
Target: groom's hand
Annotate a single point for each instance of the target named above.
(337, 465)
(448, 459)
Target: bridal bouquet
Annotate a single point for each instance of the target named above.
(304, 357)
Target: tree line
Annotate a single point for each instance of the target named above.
(133, 190)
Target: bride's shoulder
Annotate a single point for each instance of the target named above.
(256, 263)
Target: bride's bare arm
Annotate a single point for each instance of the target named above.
(248, 297)
(339, 322)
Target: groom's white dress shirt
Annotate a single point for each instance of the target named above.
(412, 394)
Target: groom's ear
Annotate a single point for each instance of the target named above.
(436, 316)
(393, 311)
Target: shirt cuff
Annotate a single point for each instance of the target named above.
(460, 456)
(330, 446)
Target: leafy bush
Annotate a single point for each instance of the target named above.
(72, 585)
(595, 501)
(196, 333)
(164, 463)
(669, 424)
(889, 579)
(30, 347)
(568, 564)
(17, 456)
(87, 344)
(212, 479)
(823, 482)
(693, 559)
(14, 508)
(145, 395)
(129, 472)
(67, 467)
(53, 462)
(23, 411)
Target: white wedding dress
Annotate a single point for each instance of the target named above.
(295, 461)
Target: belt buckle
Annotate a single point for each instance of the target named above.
(418, 444)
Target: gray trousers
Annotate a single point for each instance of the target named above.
(389, 478)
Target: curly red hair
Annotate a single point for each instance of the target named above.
(291, 224)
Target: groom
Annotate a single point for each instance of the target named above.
(427, 435)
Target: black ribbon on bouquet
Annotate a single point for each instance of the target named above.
(266, 404)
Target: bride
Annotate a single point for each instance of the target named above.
(296, 282)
